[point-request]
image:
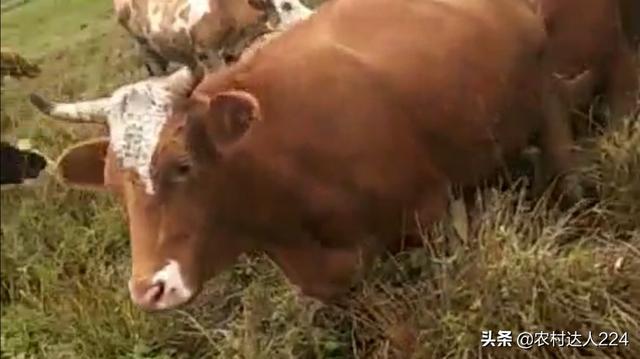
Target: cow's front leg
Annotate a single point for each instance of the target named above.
(431, 207)
(321, 273)
(155, 64)
(557, 146)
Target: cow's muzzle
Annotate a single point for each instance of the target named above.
(166, 289)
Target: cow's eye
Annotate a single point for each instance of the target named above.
(181, 171)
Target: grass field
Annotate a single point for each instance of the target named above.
(523, 267)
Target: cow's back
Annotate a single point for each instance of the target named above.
(479, 74)
(454, 78)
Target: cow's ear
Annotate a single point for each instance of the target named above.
(83, 165)
(231, 115)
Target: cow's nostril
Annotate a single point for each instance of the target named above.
(156, 292)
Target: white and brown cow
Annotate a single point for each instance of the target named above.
(310, 150)
(209, 32)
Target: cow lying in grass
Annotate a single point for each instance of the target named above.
(209, 32)
(310, 150)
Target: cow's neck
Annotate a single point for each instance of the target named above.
(252, 198)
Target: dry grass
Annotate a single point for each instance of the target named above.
(523, 266)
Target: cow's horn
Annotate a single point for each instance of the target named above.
(183, 81)
(94, 111)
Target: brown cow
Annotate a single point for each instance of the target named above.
(209, 32)
(592, 54)
(588, 36)
(310, 150)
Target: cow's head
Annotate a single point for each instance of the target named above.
(151, 162)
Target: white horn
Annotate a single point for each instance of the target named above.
(183, 81)
(94, 111)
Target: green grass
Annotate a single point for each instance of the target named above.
(41, 27)
(65, 254)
